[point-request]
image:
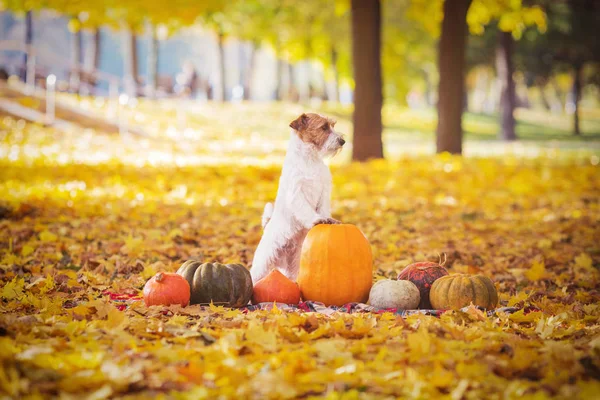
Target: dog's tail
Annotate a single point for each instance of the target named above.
(267, 214)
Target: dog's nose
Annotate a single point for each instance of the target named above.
(341, 141)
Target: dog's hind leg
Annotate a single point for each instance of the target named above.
(267, 256)
(267, 214)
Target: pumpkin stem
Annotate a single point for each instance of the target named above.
(159, 277)
(440, 259)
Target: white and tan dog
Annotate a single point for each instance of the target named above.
(303, 198)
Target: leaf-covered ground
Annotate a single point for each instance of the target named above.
(82, 215)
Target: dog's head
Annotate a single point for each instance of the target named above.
(316, 130)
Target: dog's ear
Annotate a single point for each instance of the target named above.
(299, 123)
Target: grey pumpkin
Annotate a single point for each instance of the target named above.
(223, 284)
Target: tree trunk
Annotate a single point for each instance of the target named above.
(250, 71)
(428, 88)
(91, 64)
(76, 46)
(577, 70)
(336, 74)
(324, 94)
(451, 88)
(560, 101)
(130, 60)
(504, 69)
(28, 41)
(310, 87)
(368, 97)
(279, 79)
(134, 58)
(293, 90)
(221, 42)
(95, 53)
(152, 62)
(543, 96)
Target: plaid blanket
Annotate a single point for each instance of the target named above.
(122, 301)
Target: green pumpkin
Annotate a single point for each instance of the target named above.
(223, 284)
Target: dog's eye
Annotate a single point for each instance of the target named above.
(325, 127)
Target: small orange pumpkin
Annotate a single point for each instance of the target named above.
(165, 289)
(276, 287)
(336, 265)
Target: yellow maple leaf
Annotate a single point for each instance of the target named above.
(216, 309)
(133, 245)
(520, 316)
(49, 284)
(520, 296)
(544, 243)
(47, 236)
(419, 344)
(257, 335)
(174, 233)
(584, 261)
(442, 378)
(13, 289)
(537, 271)
(9, 259)
(27, 250)
(115, 318)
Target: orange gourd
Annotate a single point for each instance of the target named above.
(276, 287)
(336, 265)
(165, 289)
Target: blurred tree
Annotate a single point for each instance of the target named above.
(409, 51)
(505, 71)
(28, 38)
(252, 22)
(567, 46)
(76, 54)
(152, 81)
(220, 23)
(511, 15)
(84, 16)
(451, 68)
(512, 21)
(128, 15)
(95, 52)
(575, 46)
(25, 9)
(368, 97)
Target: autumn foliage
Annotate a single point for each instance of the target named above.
(80, 236)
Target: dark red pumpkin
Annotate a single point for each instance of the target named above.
(423, 274)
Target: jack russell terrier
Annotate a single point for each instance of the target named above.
(303, 198)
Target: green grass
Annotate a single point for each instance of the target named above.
(262, 127)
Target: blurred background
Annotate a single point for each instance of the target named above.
(219, 79)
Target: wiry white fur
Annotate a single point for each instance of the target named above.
(267, 214)
(303, 200)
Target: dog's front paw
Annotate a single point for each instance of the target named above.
(326, 221)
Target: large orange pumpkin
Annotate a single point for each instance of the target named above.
(336, 265)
